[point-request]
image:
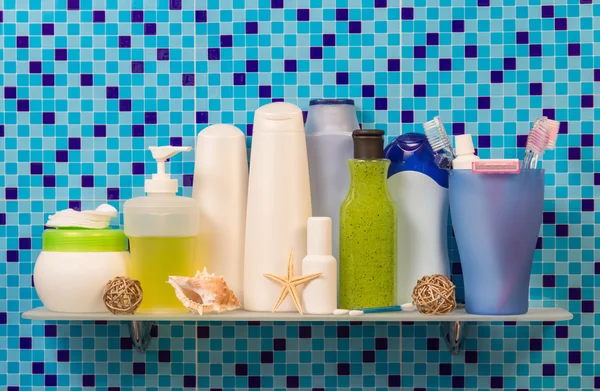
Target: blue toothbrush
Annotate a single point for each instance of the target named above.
(393, 308)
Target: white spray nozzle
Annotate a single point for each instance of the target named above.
(161, 182)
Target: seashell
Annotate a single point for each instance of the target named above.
(204, 293)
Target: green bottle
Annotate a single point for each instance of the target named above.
(367, 228)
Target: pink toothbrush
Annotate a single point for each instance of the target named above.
(542, 137)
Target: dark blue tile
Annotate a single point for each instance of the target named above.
(445, 64)
(407, 13)
(137, 16)
(303, 15)
(394, 381)
(162, 54)
(149, 28)
(547, 11)
(201, 16)
(124, 41)
(458, 26)
(98, 17)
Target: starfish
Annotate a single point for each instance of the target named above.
(290, 284)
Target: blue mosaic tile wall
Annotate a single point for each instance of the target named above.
(87, 85)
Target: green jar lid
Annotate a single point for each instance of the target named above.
(72, 240)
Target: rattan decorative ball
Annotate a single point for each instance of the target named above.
(434, 295)
(122, 295)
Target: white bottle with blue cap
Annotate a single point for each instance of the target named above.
(420, 190)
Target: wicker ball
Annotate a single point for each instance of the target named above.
(434, 295)
(122, 295)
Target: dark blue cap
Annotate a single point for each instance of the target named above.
(315, 102)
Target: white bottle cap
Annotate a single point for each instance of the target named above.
(220, 131)
(464, 145)
(318, 236)
(161, 182)
(278, 117)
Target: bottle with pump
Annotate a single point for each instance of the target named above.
(368, 228)
(320, 294)
(162, 229)
(419, 189)
(465, 152)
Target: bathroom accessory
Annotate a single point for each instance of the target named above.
(440, 143)
(204, 293)
(290, 284)
(278, 202)
(221, 189)
(419, 189)
(320, 295)
(465, 152)
(74, 266)
(496, 166)
(496, 219)
(368, 228)
(379, 310)
(162, 229)
(434, 295)
(339, 311)
(453, 325)
(329, 127)
(542, 137)
(122, 295)
(94, 219)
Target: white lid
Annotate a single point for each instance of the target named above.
(464, 145)
(220, 131)
(318, 236)
(161, 182)
(278, 117)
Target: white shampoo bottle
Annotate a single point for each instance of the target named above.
(278, 204)
(320, 294)
(221, 189)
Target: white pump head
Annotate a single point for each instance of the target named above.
(161, 182)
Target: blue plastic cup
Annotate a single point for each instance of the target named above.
(497, 220)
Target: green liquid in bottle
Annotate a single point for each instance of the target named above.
(367, 238)
(153, 260)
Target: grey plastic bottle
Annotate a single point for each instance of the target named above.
(329, 127)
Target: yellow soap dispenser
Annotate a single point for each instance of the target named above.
(162, 229)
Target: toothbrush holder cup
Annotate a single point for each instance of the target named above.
(496, 220)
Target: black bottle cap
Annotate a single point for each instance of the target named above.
(368, 144)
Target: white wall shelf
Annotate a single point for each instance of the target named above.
(453, 324)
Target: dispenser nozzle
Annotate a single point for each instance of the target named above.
(161, 182)
(161, 154)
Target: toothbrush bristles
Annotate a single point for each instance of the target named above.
(542, 135)
(437, 136)
(552, 129)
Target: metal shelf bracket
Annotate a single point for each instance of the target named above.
(454, 333)
(140, 333)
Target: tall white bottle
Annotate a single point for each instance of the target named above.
(320, 294)
(329, 127)
(221, 189)
(278, 203)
